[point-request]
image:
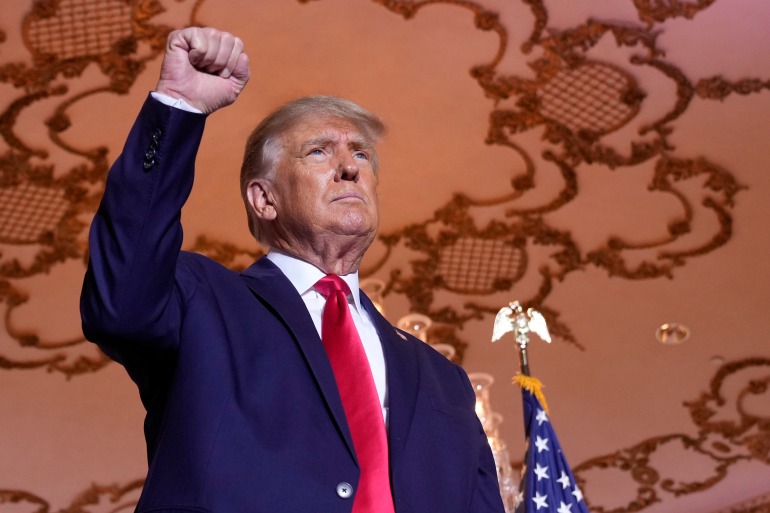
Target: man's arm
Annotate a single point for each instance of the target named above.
(486, 496)
(135, 238)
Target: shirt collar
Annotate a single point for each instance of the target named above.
(303, 275)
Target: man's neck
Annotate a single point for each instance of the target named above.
(328, 256)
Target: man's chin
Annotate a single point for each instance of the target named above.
(365, 232)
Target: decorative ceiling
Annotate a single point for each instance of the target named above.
(604, 162)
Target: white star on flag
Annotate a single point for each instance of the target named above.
(540, 501)
(578, 494)
(544, 458)
(542, 472)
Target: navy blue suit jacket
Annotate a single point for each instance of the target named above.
(243, 413)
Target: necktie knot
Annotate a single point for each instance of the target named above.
(330, 284)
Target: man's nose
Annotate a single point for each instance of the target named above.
(347, 168)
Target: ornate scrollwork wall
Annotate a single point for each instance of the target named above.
(728, 432)
(575, 99)
(573, 95)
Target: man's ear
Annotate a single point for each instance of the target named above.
(261, 199)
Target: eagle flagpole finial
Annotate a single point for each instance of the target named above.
(514, 318)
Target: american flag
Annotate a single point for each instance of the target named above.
(547, 483)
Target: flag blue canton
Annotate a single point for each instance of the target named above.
(547, 483)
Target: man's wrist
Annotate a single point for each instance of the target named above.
(176, 103)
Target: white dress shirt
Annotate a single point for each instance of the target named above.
(304, 276)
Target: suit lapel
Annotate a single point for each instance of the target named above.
(403, 379)
(274, 288)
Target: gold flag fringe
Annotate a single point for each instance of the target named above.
(532, 385)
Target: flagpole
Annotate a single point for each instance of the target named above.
(523, 361)
(547, 480)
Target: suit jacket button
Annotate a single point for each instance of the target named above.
(344, 490)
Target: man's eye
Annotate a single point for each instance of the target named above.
(361, 155)
(316, 151)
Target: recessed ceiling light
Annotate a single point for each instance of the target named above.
(672, 333)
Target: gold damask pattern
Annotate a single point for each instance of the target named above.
(63, 38)
(67, 30)
(590, 97)
(575, 99)
(96, 499)
(729, 431)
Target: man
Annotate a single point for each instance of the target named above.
(254, 403)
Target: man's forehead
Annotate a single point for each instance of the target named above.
(322, 127)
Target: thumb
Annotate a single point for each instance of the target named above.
(240, 72)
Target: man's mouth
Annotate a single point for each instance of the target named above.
(349, 196)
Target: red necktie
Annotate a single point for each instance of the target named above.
(359, 397)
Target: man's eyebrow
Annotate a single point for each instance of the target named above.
(321, 141)
(360, 144)
(325, 140)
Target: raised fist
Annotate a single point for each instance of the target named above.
(205, 67)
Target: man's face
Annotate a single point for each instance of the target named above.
(323, 182)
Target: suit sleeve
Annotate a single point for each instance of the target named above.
(129, 292)
(486, 497)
